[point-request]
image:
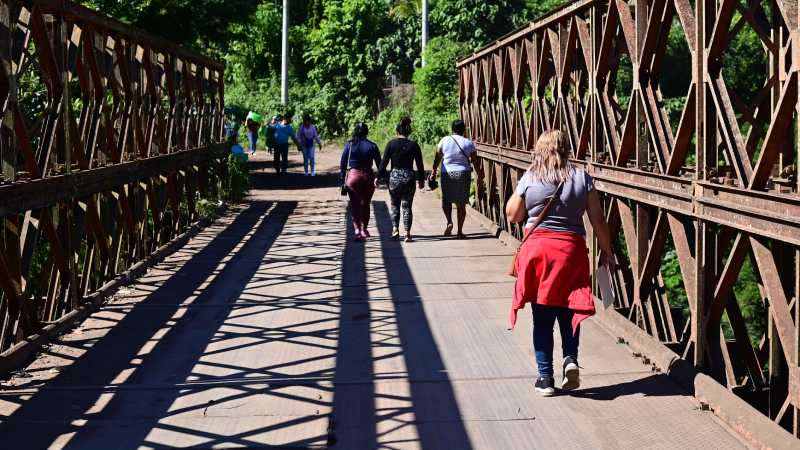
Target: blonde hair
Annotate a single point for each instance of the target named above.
(551, 162)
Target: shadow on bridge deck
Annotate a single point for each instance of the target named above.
(273, 329)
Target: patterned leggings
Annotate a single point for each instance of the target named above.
(402, 187)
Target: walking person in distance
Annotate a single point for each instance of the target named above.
(283, 132)
(552, 263)
(270, 132)
(252, 131)
(457, 156)
(307, 136)
(403, 154)
(358, 157)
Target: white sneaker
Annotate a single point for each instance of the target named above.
(571, 372)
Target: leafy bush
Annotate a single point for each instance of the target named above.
(343, 61)
(383, 128)
(237, 182)
(436, 84)
(435, 103)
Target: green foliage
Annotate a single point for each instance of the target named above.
(436, 87)
(254, 54)
(207, 208)
(237, 183)
(744, 65)
(398, 51)
(437, 82)
(536, 8)
(406, 8)
(476, 22)
(383, 128)
(342, 56)
(749, 298)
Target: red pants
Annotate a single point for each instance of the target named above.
(360, 187)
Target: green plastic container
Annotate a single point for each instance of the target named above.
(255, 117)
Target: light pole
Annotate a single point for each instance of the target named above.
(285, 55)
(424, 29)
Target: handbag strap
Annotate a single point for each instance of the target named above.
(459, 147)
(349, 154)
(462, 151)
(543, 214)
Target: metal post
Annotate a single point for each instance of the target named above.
(285, 55)
(424, 28)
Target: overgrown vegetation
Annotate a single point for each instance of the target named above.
(237, 181)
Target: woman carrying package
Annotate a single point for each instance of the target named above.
(358, 156)
(552, 264)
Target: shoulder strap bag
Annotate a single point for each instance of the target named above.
(343, 189)
(462, 151)
(512, 271)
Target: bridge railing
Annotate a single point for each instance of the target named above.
(109, 137)
(700, 185)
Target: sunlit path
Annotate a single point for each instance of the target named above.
(272, 328)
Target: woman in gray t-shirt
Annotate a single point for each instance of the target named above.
(552, 264)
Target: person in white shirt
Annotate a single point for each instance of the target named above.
(457, 156)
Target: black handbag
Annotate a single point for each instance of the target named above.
(432, 183)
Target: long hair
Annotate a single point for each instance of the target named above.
(551, 158)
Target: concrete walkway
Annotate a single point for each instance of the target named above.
(272, 329)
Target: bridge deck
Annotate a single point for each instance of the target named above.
(271, 328)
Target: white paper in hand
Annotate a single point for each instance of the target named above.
(604, 284)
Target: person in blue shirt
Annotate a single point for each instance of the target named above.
(236, 149)
(358, 156)
(283, 132)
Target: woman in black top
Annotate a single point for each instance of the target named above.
(402, 152)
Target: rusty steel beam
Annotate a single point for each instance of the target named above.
(103, 170)
(721, 182)
(17, 198)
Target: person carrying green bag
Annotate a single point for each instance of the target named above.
(253, 123)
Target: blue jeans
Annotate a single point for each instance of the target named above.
(308, 157)
(544, 319)
(253, 138)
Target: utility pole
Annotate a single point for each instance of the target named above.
(285, 55)
(424, 29)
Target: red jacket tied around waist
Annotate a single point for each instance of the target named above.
(553, 270)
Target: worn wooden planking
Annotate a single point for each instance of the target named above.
(285, 330)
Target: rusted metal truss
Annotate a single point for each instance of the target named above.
(712, 187)
(108, 138)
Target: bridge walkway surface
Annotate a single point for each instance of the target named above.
(272, 329)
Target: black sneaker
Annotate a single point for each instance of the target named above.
(571, 372)
(544, 386)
